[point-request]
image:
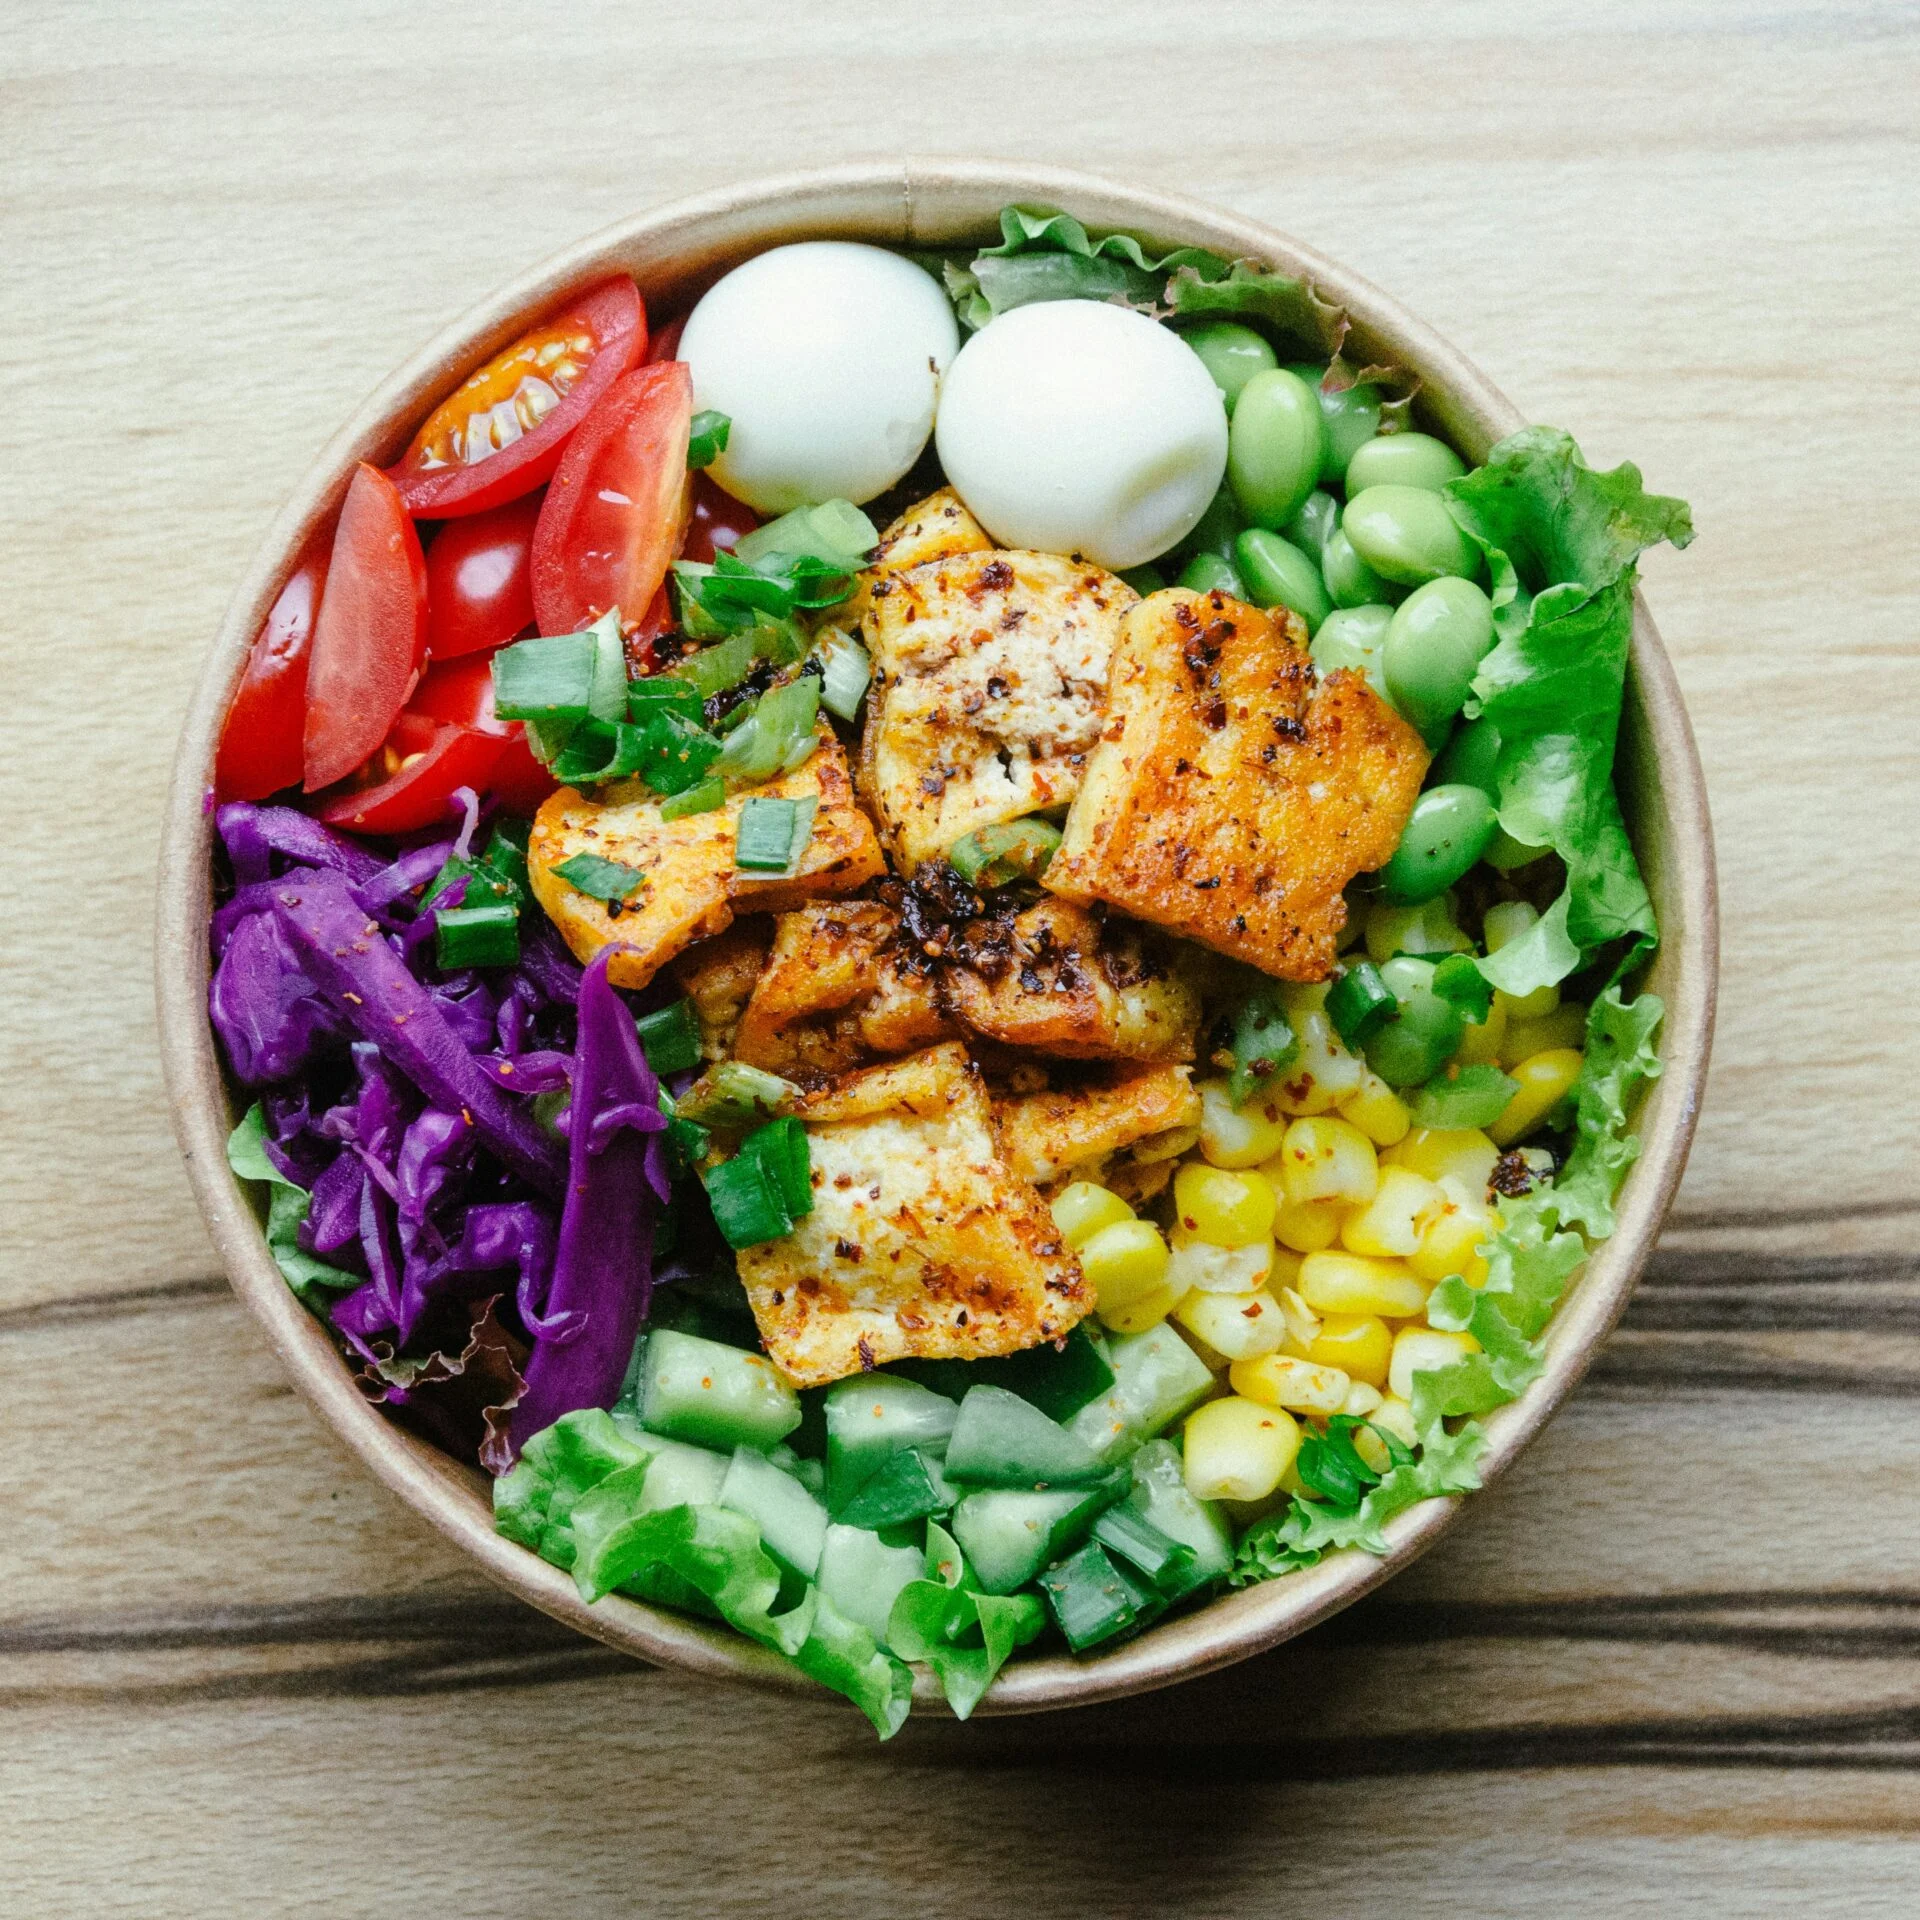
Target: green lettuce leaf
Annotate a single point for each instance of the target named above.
(1561, 543)
(964, 1635)
(558, 1467)
(1620, 1059)
(287, 1206)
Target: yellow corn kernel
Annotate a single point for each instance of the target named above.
(1124, 1263)
(1228, 1208)
(1507, 920)
(1396, 1415)
(1451, 1233)
(1352, 1283)
(1236, 1326)
(1165, 1146)
(1144, 1310)
(1241, 1136)
(1082, 1209)
(1322, 1073)
(1377, 1111)
(1545, 1080)
(1427, 928)
(1323, 1158)
(1303, 1324)
(1361, 1400)
(1389, 1225)
(1279, 1380)
(1462, 1153)
(1307, 1229)
(1480, 1044)
(1237, 1449)
(1424, 1350)
(1357, 1343)
(1199, 1263)
(1565, 1026)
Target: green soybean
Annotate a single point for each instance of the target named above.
(1216, 529)
(1209, 573)
(1418, 1041)
(1406, 534)
(1233, 354)
(1144, 580)
(1353, 418)
(1350, 581)
(1403, 460)
(1280, 575)
(1505, 854)
(1437, 639)
(1352, 637)
(1447, 832)
(1317, 520)
(1275, 446)
(1471, 759)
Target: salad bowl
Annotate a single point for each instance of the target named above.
(674, 254)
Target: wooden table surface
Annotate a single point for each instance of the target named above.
(1673, 1661)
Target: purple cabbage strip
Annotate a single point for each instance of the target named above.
(616, 1167)
(252, 835)
(408, 871)
(436, 1151)
(333, 1214)
(544, 1071)
(264, 1007)
(364, 979)
(509, 1234)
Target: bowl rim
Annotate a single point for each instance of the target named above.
(912, 201)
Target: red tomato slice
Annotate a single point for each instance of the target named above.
(460, 692)
(718, 520)
(618, 503)
(501, 432)
(665, 345)
(260, 743)
(419, 791)
(371, 636)
(480, 579)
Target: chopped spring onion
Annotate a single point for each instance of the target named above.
(675, 753)
(708, 796)
(734, 1095)
(546, 680)
(506, 851)
(748, 1206)
(781, 1146)
(670, 1038)
(548, 738)
(714, 669)
(1473, 1096)
(1263, 1042)
(1093, 1600)
(600, 878)
(485, 885)
(1167, 1563)
(1458, 978)
(481, 936)
(1015, 850)
(1359, 1003)
(687, 1140)
(845, 669)
(773, 834)
(779, 737)
(607, 696)
(596, 752)
(836, 533)
(667, 692)
(709, 430)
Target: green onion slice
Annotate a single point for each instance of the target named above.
(1458, 979)
(670, 1038)
(779, 737)
(734, 1095)
(707, 797)
(845, 669)
(600, 878)
(549, 679)
(1263, 1041)
(773, 833)
(709, 430)
(1014, 850)
(1359, 1003)
(748, 1205)
(1473, 1096)
(479, 936)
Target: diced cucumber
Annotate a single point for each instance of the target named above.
(1156, 1378)
(680, 1475)
(792, 1523)
(1058, 1379)
(872, 1417)
(1009, 1535)
(1000, 1440)
(909, 1487)
(1160, 1497)
(1136, 1542)
(861, 1576)
(1094, 1600)
(713, 1395)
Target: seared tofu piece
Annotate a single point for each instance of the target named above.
(939, 526)
(718, 977)
(832, 993)
(692, 888)
(1233, 795)
(1048, 1135)
(990, 673)
(923, 1242)
(1076, 983)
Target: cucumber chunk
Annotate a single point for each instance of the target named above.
(871, 1418)
(1161, 1498)
(713, 1395)
(792, 1523)
(861, 1576)
(909, 1487)
(1156, 1378)
(1058, 1378)
(1137, 1543)
(1094, 1599)
(1009, 1535)
(1000, 1440)
(679, 1475)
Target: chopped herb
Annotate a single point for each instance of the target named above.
(709, 430)
(549, 679)
(670, 1038)
(735, 1095)
(845, 670)
(1263, 1042)
(1359, 1003)
(708, 796)
(478, 936)
(1014, 850)
(1464, 1097)
(773, 834)
(601, 879)
(1458, 979)
(779, 737)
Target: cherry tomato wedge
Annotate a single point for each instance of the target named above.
(665, 345)
(429, 764)
(461, 692)
(371, 636)
(718, 520)
(480, 579)
(618, 503)
(260, 743)
(501, 432)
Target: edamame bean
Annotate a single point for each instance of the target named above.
(1233, 354)
(1446, 833)
(1352, 415)
(1209, 573)
(1407, 534)
(1216, 529)
(1438, 637)
(1470, 760)
(1319, 517)
(1505, 854)
(1275, 446)
(1144, 580)
(1352, 637)
(1418, 1041)
(1350, 581)
(1403, 460)
(1280, 575)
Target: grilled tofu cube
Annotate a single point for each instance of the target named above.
(718, 977)
(692, 888)
(937, 527)
(833, 992)
(990, 673)
(1074, 983)
(922, 1241)
(1232, 795)
(1047, 1135)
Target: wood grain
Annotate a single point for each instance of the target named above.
(1672, 1661)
